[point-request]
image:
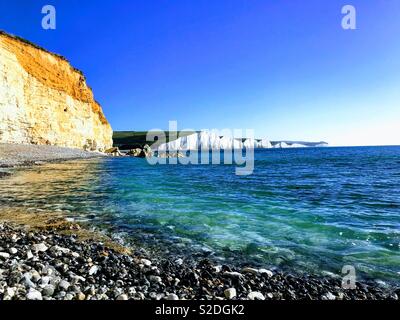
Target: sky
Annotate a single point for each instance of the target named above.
(286, 69)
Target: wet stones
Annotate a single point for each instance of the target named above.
(49, 266)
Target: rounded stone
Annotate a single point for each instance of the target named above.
(172, 296)
(33, 294)
(48, 290)
(254, 295)
(230, 293)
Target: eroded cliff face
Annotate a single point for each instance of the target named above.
(44, 100)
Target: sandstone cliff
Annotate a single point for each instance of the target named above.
(44, 100)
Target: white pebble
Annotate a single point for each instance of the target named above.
(230, 293)
(4, 255)
(93, 270)
(330, 296)
(172, 296)
(64, 285)
(33, 294)
(146, 262)
(40, 247)
(29, 255)
(9, 293)
(250, 270)
(234, 274)
(254, 295)
(267, 272)
(155, 279)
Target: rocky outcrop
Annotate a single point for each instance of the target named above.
(45, 101)
(115, 152)
(146, 152)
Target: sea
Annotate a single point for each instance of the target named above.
(304, 210)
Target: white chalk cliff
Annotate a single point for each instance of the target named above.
(210, 140)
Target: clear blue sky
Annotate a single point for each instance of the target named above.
(283, 68)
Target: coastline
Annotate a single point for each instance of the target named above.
(56, 263)
(21, 155)
(89, 265)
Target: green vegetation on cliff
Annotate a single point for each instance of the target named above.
(126, 140)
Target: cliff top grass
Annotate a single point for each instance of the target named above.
(137, 139)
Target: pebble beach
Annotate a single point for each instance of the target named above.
(46, 265)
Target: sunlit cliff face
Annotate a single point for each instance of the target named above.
(43, 100)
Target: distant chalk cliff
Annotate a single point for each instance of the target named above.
(211, 140)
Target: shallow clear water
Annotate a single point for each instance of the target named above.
(310, 210)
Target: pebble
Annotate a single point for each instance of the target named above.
(45, 280)
(29, 254)
(81, 296)
(159, 296)
(172, 296)
(250, 270)
(26, 280)
(155, 279)
(217, 269)
(266, 272)
(69, 296)
(254, 295)
(48, 290)
(230, 293)
(40, 247)
(93, 270)
(139, 296)
(33, 294)
(146, 262)
(59, 274)
(9, 293)
(4, 255)
(64, 285)
(13, 251)
(329, 296)
(233, 274)
(35, 276)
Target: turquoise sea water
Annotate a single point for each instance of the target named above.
(309, 210)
